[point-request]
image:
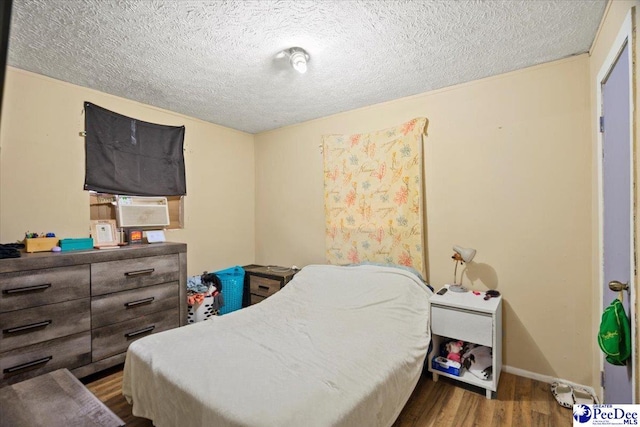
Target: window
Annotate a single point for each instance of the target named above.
(102, 206)
(126, 156)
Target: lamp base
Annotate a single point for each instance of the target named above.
(458, 288)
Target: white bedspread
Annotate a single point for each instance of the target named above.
(337, 346)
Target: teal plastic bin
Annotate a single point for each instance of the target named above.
(232, 280)
(81, 244)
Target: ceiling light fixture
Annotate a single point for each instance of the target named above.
(298, 58)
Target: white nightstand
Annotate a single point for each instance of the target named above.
(471, 318)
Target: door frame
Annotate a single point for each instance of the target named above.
(624, 37)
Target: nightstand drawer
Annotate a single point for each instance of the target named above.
(465, 325)
(256, 299)
(262, 286)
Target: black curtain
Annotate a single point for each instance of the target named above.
(5, 24)
(131, 157)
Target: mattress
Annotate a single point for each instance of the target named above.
(337, 346)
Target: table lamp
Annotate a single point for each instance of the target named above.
(461, 255)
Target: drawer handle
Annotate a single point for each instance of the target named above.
(141, 331)
(27, 365)
(138, 302)
(139, 272)
(264, 288)
(27, 327)
(27, 289)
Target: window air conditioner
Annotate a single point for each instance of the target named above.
(142, 211)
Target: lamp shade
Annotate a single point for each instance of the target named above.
(466, 254)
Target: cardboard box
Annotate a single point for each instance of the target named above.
(40, 244)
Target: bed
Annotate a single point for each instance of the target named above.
(337, 346)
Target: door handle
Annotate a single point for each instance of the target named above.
(616, 286)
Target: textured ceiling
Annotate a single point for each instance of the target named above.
(216, 60)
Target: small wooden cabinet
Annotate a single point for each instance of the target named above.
(81, 310)
(468, 317)
(263, 281)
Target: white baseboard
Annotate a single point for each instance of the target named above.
(546, 379)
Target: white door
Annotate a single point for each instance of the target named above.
(618, 262)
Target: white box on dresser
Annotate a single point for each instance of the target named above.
(468, 317)
(80, 310)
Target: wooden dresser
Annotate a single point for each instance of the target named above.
(81, 310)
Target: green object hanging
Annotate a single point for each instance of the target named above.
(614, 336)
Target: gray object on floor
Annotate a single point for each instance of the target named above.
(56, 399)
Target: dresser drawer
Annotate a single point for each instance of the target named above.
(127, 305)
(256, 299)
(262, 286)
(114, 339)
(37, 324)
(115, 276)
(31, 288)
(69, 352)
(465, 325)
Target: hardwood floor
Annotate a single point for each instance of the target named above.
(107, 386)
(519, 402)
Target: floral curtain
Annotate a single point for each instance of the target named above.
(373, 196)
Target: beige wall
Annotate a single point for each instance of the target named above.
(42, 171)
(508, 172)
(609, 28)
